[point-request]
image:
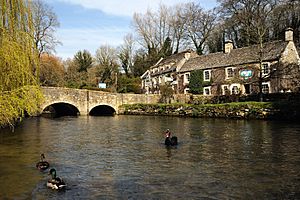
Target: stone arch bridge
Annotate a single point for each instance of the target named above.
(89, 102)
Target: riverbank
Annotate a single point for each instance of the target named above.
(240, 110)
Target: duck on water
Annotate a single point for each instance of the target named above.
(170, 141)
(42, 164)
(55, 182)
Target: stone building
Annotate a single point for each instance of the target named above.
(272, 68)
(165, 71)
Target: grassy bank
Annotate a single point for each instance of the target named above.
(240, 110)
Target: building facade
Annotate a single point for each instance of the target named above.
(164, 72)
(269, 68)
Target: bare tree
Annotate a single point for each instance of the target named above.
(107, 64)
(153, 28)
(144, 26)
(45, 23)
(126, 54)
(198, 25)
(177, 23)
(215, 42)
(287, 14)
(248, 21)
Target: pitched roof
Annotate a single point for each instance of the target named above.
(174, 58)
(245, 55)
(171, 61)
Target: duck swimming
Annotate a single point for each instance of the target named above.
(42, 165)
(55, 182)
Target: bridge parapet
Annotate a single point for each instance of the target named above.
(85, 100)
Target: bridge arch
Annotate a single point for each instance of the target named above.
(85, 101)
(102, 110)
(59, 109)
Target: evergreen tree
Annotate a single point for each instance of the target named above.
(84, 60)
(196, 82)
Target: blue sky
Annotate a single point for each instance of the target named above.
(88, 24)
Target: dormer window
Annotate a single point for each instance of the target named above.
(207, 75)
(229, 72)
(265, 69)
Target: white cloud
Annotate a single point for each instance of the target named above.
(90, 34)
(128, 7)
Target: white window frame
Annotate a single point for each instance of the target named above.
(269, 88)
(263, 69)
(209, 91)
(209, 75)
(235, 85)
(186, 90)
(226, 72)
(154, 81)
(223, 89)
(186, 78)
(160, 79)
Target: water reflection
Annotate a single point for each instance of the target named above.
(124, 157)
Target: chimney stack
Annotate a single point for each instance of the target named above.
(228, 46)
(289, 35)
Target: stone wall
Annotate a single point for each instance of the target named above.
(253, 110)
(75, 97)
(86, 100)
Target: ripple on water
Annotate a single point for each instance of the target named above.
(124, 157)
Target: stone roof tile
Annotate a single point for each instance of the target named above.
(172, 59)
(245, 55)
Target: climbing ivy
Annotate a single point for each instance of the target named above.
(197, 83)
(19, 88)
(196, 80)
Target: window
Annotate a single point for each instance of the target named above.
(229, 72)
(159, 79)
(225, 89)
(234, 90)
(154, 81)
(186, 90)
(247, 88)
(206, 91)
(265, 69)
(187, 78)
(206, 75)
(265, 87)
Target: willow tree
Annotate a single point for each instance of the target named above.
(19, 91)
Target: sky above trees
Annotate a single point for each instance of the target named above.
(88, 24)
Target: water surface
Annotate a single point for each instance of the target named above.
(123, 157)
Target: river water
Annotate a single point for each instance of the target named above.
(123, 157)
